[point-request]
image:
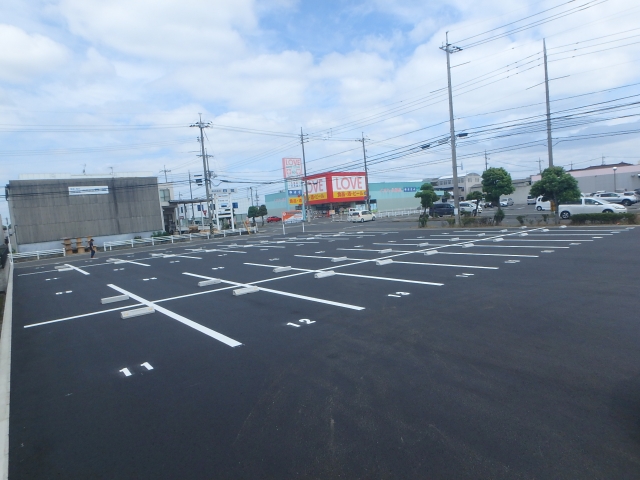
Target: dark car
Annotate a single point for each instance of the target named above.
(441, 209)
(273, 219)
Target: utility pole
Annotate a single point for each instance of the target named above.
(546, 86)
(486, 165)
(454, 163)
(193, 215)
(165, 173)
(205, 167)
(540, 165)
(305, 197)
(602, 159)
(257, 198)
(366, 172)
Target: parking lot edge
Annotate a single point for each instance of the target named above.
(5, 376)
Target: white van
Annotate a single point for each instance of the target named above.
(542, 203)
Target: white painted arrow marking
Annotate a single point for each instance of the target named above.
(146, 365)
(126, 372)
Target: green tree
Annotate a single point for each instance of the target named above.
(427, 196)
(557, 185)
(477, 196)
(253, 212)
(262, 211)
(495, 183)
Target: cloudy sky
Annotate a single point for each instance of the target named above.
(113, 85)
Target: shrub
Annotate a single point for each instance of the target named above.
(467, 220)
(520, 219)
(499, 216)
(545, 217)
(159, 234)
(422, 219)
(451, 222)
(583, 218)
(476, 221)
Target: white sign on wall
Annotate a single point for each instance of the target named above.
(93, 190)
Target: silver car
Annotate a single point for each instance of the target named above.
(625, 199)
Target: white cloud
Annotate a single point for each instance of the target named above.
(24, 57)
(170, 30)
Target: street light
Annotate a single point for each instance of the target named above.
(614, 179)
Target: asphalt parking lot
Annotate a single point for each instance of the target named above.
(481, 353)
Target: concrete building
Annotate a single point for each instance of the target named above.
(620, 177)
(519, 196)
(466, 181)
(46, 208)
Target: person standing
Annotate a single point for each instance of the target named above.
(92, 248)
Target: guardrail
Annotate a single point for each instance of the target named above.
(398, 213)
(187, 237)
(13, 257)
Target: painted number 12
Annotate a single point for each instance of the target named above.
(304, 321)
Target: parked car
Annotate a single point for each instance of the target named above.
(273, 219)
(614, 197)
(362, 216)
(470, 207)
(589, 205)
(531, 200)
(441, 209)
(543, 203)
(506, 203)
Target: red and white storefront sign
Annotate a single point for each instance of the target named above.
(336, 187)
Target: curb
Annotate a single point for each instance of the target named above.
(5, 377)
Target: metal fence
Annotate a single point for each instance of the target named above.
(401, 212)
(169, 239)
(18, 257)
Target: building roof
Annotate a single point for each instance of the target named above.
(70, 176)
(460, 175)
(598, 167)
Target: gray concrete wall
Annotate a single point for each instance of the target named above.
(43, 211)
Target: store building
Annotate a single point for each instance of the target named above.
(340, 191)
(46, 208)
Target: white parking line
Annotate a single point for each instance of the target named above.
(131, 261)
(279, 292)
(80, 316)
(390, 279)
(488, 254)
(190, 323)
(537, 240)
(77, 269)
(447, 265)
